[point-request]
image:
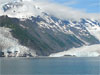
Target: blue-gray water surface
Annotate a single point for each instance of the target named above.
(50, 66)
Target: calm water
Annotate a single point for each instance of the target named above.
(50, 66)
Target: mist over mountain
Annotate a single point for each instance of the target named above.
(42, 27)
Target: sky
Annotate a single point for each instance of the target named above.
(89, 6)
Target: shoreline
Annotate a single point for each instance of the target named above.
(50, 57)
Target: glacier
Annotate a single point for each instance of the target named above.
(84, 51)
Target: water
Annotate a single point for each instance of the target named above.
(50, 66)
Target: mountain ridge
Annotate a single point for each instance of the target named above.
(45, 40)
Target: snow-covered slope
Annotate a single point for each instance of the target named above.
(9, 43)
(94, 29)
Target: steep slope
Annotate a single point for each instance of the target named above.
(9, 44)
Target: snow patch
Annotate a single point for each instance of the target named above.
(94, 29)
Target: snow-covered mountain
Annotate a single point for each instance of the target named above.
(38, 26)
(20, 8)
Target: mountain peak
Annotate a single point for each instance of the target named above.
(20, 9)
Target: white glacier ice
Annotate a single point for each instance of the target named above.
(85, 51)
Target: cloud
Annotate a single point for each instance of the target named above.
(54, 9)
(65, 12)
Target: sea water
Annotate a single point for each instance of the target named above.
(50, 66)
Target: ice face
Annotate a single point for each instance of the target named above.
(85, 51)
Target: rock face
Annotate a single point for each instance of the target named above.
(43, 33)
